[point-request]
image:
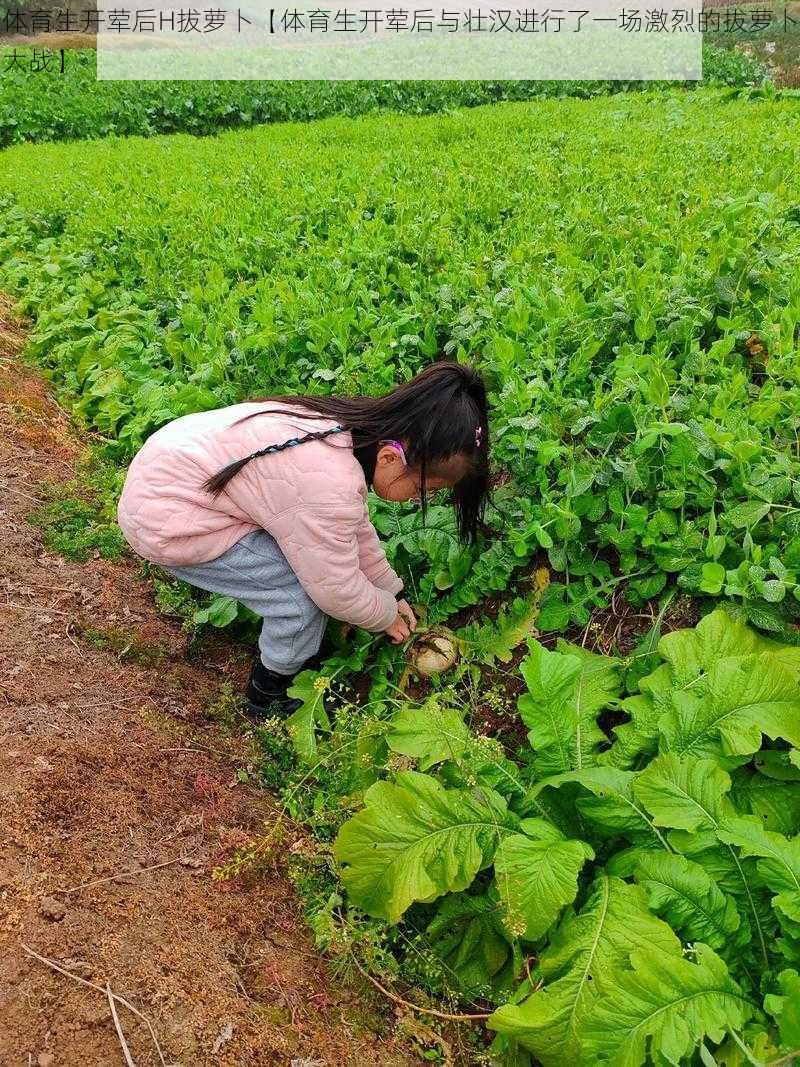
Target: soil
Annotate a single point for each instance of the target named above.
(110, 763)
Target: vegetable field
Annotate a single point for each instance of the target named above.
(588, 831)
(74, 106)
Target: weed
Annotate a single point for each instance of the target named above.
(78, 519)
(226, 710)
(125, 644)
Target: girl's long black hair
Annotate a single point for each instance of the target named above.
(441, 413)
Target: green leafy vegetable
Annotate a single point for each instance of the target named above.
(415, 840)
(667, 1006)
(431, 733)
(684, 895)
(581, 965)
(566, 690)
(467, 936)
(686, 794)
(537, 878)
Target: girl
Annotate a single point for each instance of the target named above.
(265, 501)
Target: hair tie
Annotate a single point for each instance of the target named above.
(315, 435)
(478, 436)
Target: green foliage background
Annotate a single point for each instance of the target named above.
(73, 106)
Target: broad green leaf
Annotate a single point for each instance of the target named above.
(681, 892)
(554, 806)
(415, 841)
(487, 642)
(747, 514)
(684, 794)
(666, 1008)
(504, 1050)
(554, 612)
(536, 879)
(613, 809)
(785, 1008)
(679, 697)
(466, 935)
(691, 653)
(638, 736)
(431, 733)
(541, 829)
(773, 590)
(717, 636)
(566, 691)
(775, 803)
(778, 869)
(582, 963)
(789, 943)
(745, 697)
(659, 686)
(713, 578)
(220, 612)
(779, 862)
(736, 877)
(778, 764)
(761, 1046)
(623, 864)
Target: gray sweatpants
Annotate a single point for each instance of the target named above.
(256, 572)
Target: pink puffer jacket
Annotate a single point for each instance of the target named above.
(311, 498)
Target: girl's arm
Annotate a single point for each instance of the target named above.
(321, 545)
(372, 558)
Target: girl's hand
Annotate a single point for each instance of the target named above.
(399, 630)
(405, 609)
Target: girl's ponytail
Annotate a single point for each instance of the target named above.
(217, 482)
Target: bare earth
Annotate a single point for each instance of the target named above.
(101, 772)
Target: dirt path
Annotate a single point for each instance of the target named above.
(97, 776)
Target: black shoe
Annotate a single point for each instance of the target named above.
(266, 696)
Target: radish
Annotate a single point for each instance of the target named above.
(433, 652)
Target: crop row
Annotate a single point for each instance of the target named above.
(41, 105)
